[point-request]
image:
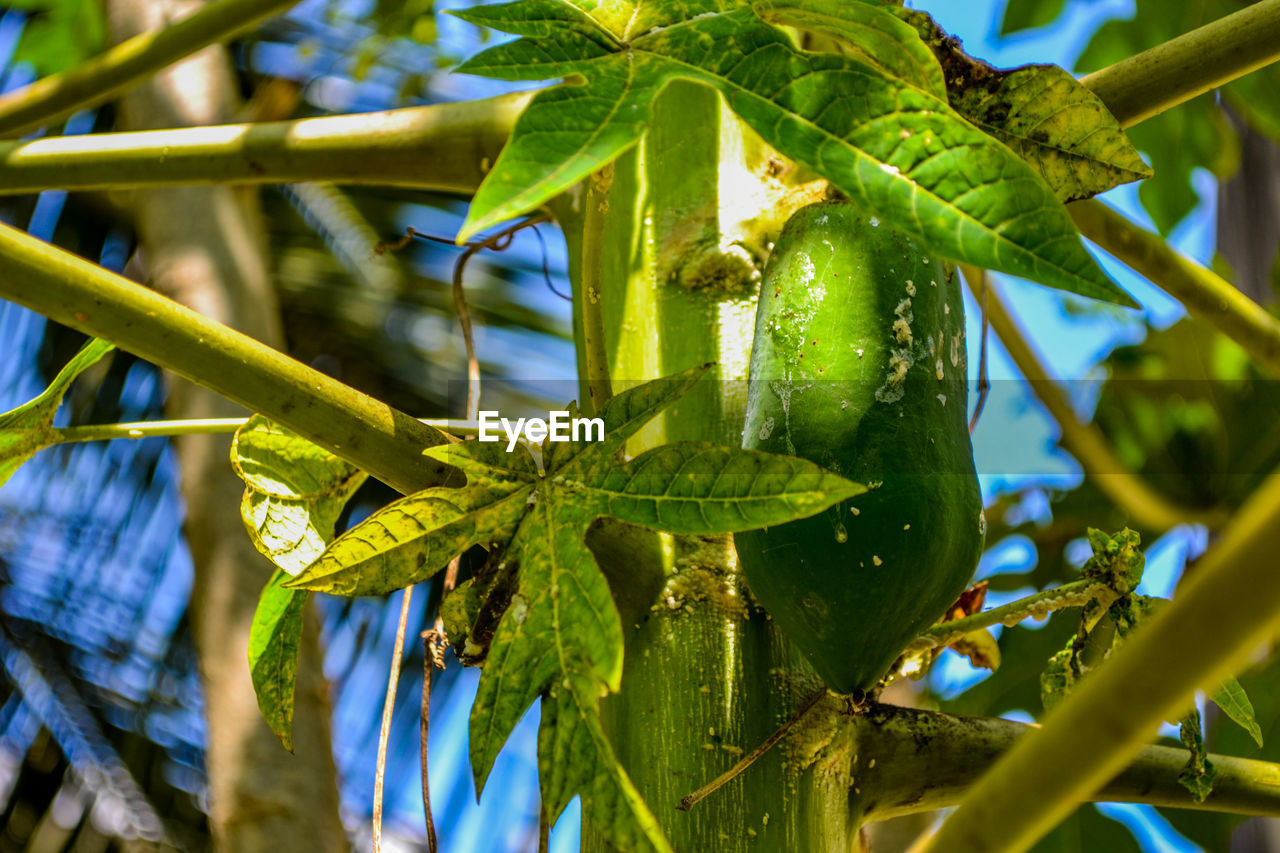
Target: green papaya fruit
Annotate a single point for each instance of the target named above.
(858, 364)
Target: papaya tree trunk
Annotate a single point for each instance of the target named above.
(204, 248)
(686, 221)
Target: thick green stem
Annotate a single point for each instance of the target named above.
(371, 435)
(448, 147)
(913, 760)
(96, 80)
(589, 294)
(1085, 441)
(1172, 73)
(1227, 608)
(1207, 296)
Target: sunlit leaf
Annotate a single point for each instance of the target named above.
(29, 428)
(1234, 702)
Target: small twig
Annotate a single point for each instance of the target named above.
(751, 757)
(204, 426)
(984, 381)
(428, 665)
(544, 829)
(546, 266)
(1073, 594)
(595, 353)
(1085, 441)
(384, 732)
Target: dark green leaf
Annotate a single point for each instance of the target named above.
(1198, 774)
(274, 639)
(1234, 702)
(1027, 14)
(561, 621)
(488, 462)
(574, 756)
(29, 428)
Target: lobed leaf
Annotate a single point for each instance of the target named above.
(28, 429)
(561, 621)
(624, 415)
(540, 18)
(694, 487)
(411, 539)
(274, 639)
(575, 757)
(873, 35)
(488, 462)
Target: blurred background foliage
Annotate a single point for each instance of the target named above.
(100, 727)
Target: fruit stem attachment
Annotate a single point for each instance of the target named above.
(689, 801)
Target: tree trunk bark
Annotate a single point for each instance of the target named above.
(205, 248)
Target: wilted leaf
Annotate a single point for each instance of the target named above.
(29, 428)
(294, 492)
(274, 640)
(1198, 774)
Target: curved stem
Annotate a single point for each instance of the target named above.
(96, 80)
(1207, 296)
(1073, 594)
(1148, 83)
(1227, 608)
(926, 760)
(370, 434)
(388, 707)
(1085, 441)
(446, 147)
(203, 426)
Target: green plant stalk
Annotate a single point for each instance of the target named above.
(926, 760)
(707, 678)
(1085, 441)
(1148, 83)
(371, 435)
(1226, 608)
(589, 295)
(1076, 593)
(200, 426)
(447, 147)
(1207, 296)
(97, 80)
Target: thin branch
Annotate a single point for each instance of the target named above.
(446, 147)
(204, 426)
(1085, 441)
(1148, 83)
(926, 760)
(1207, 296)
(424, 729)
(97, 80)
(984, 380)
(1224, 611)
(690, 800)
(366, 432)
(388, 707)
(1073, 594)
(589, 299)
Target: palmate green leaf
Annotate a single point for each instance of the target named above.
(294, 492)
(561, 620)
(488, 462)
(624, 415)
(898, 151)
(274, 639)
(575, 757)
(29, 428)
(875, 35)
(695, 487)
